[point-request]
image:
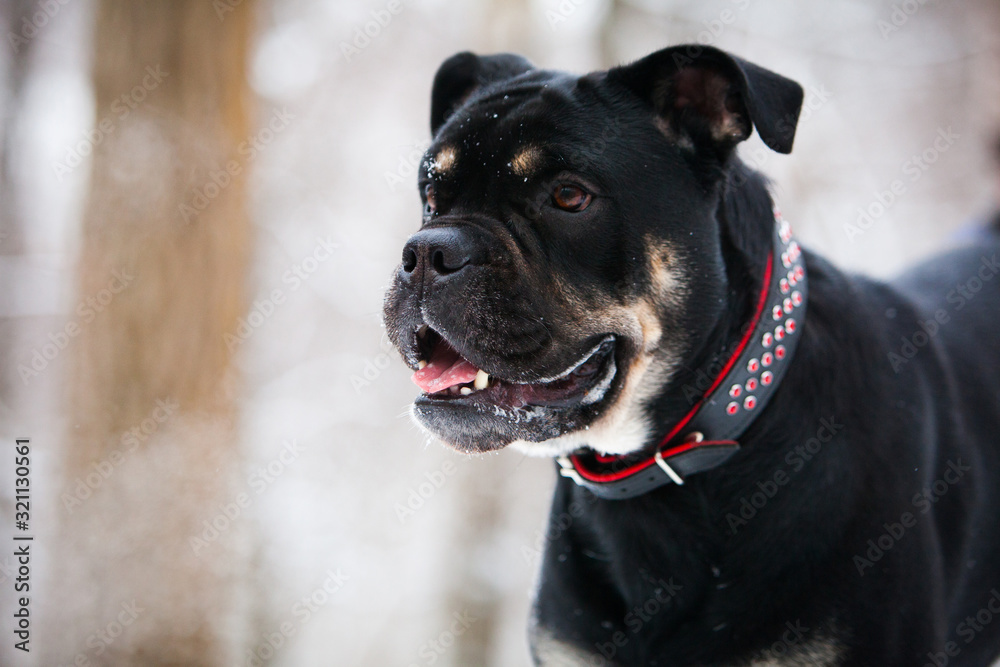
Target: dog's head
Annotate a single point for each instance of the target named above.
(572, 255)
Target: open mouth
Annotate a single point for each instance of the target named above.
(445, 375)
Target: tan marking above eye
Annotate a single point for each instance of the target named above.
(526, 160)
(444, 160)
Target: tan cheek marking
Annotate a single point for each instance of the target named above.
(659, 357)
(526, 161)
(652, 332)
(624, 426)
(667, 279)
(444, 160)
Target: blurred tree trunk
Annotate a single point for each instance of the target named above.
(15, 70)
(14, 75)
(153, 548)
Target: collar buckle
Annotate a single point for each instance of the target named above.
(673, 474)
(567, 469)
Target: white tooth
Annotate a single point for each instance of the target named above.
(482, 380)
(422, 331)
(465, 391)
(421, 365)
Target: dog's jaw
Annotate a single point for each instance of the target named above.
(626, 425)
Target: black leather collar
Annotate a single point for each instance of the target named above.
(707, 436)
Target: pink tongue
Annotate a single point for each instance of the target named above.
(446, 369)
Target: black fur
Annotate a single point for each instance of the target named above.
(893, 391)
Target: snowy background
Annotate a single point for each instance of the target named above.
(419, 533)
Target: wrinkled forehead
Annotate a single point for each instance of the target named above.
(528, 125)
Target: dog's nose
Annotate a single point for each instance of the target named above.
(441, 251)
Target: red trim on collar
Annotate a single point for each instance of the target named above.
(685, 446)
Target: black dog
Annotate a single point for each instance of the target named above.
(764, 461)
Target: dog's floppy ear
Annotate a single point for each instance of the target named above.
(704, 92)
(460, 75)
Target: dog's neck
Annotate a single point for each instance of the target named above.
(710, 404)
(746, 217)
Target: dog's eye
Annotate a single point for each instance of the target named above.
(431, 198)
(571, 198)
